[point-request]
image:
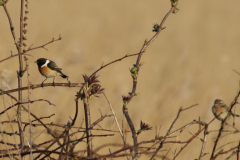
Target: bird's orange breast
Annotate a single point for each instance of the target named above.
(46, 72)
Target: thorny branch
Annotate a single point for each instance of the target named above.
(193, 137)
(168, 132)
(34, 86)
(222, 126)
(61, 136)
(48, 129)
(37, 120)
(133, 93)
(203, 142)
(30, 49)
(135, 75)
(25, 103)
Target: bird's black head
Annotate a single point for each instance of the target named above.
(41, 61)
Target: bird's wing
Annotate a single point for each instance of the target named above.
(51, 65)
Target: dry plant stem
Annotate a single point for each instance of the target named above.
(30, 49)
(225, 152)
(64, 141)
(161, 144)
(168, 132)
(226, 144)
(87, 125)
(10, 134)
(68, 142)
(193, 137)
(29, 115)
(76, 113)
(48, 129)
(55, 140)
(203, 143)
(20, 76)
(18, 46)
(4, 111)
(233, 153)
(39, 151)
(103, 66)
(238, 151)
(14, 56)
(93, 124)
(34, 86)
(61, 136)
(179, 129)
(236, 71)
(44, 125)
(115, 118)
(222, 126)
(36, 120)
(132, 94)
(58, 125)
(134, 135)
(11, 24)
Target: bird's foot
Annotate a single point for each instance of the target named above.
(53, 84)
(42, 85)
(69, 84)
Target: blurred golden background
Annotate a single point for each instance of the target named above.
(191, 62)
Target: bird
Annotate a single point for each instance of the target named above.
(221, 110)
(49, 69)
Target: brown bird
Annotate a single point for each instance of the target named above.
(220, 110)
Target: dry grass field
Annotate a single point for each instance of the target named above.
(191, 62)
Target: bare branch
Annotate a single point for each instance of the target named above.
(34, 86)
(168, 132)
(30, 49)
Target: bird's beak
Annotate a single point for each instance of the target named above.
(35, 62)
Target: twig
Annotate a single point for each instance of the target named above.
(238, 151)
(34, 86)
(56, 139)
(25, 103)
(236, 71)
(20, 74)
(43, 46)
(76, 113)
(37, 120)
(115, 118)
(193, 137)
(71, 141)
(87, 125)
(233, 153)
(10, 134)
(226, 144)
(133, 92)
(30, 49)
(167, 134)
(203, 143)
(11, 25)
(18, 46)
(48, 129)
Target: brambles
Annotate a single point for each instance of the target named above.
(66, 138)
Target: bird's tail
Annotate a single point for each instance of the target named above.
(63, 75)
